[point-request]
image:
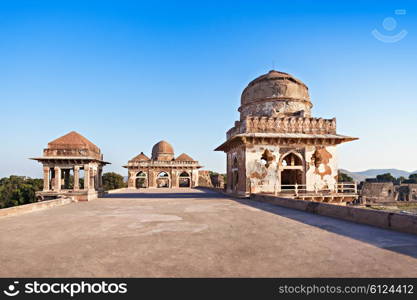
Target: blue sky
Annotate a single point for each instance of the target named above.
(127, 74)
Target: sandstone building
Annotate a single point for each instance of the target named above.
(162, 169)
(277, 145)
(407, 192)
(63, 160)
(378, 192)
(387, 192)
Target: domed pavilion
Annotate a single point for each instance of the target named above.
(162, 169)
(64, 161)
(278, 147)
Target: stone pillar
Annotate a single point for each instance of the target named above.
(93, 179)
(100, 177)
(76, 178)
(66, 173)
(96, 180)
(131, 182)
(174, 179)
(45, 179)
(194, 178)
(152, 179)
(86, 177)
(57, 183)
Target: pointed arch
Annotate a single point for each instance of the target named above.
(141, 180)
(291, 158)
(292, 169)
(163, 180)
(184, 179)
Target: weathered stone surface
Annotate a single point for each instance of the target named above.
(407, 192)
(275, 93)
(193, 233)
(378, 192)
(205, 179)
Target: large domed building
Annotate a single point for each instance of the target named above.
(277, 146)
(162, 169)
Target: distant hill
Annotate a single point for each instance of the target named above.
(372, 173)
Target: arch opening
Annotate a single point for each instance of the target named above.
(141, 180)
(163, 180)
(292, 171)
(184, 180)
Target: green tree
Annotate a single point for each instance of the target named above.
(343, 177)
(400, 180)
(17, 190)
(113, 181)
(411, 179)
(387, 177)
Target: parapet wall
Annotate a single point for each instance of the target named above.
(306, 125)
(26, 208)
(383, 219)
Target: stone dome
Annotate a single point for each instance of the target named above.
(140, 157)
(72, 144)
(162, 151)
(275, 94)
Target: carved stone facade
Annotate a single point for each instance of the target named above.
(162, 170)
(277, 144)
(63, 162)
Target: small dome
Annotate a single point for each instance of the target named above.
(184, 157)
(162, 151)
(72, 144)
(140, 157)
(275, 93)
(72, 140)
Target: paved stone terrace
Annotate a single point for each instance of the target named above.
(195, 233)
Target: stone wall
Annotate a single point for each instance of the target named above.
(407, 192)
(322, 169)
(262, 176)
(383, 219)
(26, 208)
(264, 166)
(205, 179)
(378, 192)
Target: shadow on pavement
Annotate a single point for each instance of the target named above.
(382, 238)
(167, 194)
(399, 242)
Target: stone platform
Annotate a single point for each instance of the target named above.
(196, 233)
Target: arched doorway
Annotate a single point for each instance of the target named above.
(184, 180)
(163, 180)
(141, 180)
(292, 170)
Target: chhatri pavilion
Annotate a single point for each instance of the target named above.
(73, 167)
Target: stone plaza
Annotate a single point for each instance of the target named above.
(196, 233)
